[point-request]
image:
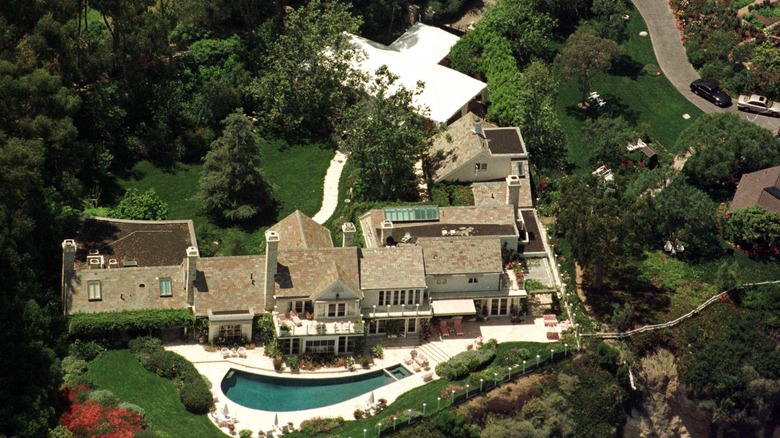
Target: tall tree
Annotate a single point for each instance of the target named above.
(754, 228)
(541, 128)
(385, 136)
(311, 74)
(609, 18)
(231, 187)
(597, 223)
(723, 148)
(585, 54)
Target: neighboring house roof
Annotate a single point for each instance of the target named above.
(758, 188)
(446, 91)
(498, 220)
(298, 231)
(300, 272)
(392, 268)
(505, 141)
(148, 243)
(424, 44)
(461, 255)
(229, 283)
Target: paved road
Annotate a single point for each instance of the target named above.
(673, 61)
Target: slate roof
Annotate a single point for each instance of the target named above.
(494, 192)
(298, 231)
(229, 283)
(461, 255)
(457, 144)
(392, 268)
(758, 188)
(149, 243)
(300, 272)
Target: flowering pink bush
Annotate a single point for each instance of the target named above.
(88, 419)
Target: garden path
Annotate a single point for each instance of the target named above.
(671, 56)
(330, 191)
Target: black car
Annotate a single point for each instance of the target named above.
(711, 91)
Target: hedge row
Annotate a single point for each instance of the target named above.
(460, 365)
(193, 390)
(81, 324)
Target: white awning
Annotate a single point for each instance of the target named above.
(453, 307)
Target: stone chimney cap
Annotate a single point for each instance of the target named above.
(192, 252)
(348, 227)
(271, 236)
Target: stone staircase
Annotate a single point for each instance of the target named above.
(434, 353)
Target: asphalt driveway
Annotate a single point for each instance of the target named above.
(673, 61)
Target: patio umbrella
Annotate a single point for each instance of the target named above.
(276, 420)
(225, 411)
(371, 398)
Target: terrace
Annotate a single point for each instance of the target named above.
(285, 327)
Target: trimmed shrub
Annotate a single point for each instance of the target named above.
(145, 345)
(460, 365)
(104, 397)
(85, 350)
(195, 396)
(377, 351)
(292, 361)
(73, 365)
(167, 364)
(132, 408)
(60, 432)
(245, 433)
(318, 426)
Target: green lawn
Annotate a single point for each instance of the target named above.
(630, 92)
(294, 172)
(119, 372)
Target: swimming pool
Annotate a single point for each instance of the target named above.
(284, 394)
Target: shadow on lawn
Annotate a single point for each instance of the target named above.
(614, 107)
(648, 301)
(625, 65)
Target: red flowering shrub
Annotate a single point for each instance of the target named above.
(88, 419)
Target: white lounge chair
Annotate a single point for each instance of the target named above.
(225, 353)
(241, 352)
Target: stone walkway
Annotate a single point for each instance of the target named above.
(330, 195)
(671, 56)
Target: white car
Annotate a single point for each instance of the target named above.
(758, 104)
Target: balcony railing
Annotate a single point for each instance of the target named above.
(317, 328)
(397, 311)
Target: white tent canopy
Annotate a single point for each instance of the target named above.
(414, 58)
(453, 307)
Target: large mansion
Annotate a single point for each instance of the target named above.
(415, 263)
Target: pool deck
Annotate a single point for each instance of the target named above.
(214, 367)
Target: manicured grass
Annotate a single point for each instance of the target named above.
(630, 92)
(119, 372)
(295, 173)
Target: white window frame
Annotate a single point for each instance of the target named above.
(94, 290)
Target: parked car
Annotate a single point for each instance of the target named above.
(758, 104)
(711, 91)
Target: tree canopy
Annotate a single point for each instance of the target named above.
(586, 53)
(385, 135)
(141, 206)
(724, 147)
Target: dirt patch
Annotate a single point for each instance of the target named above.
(581, 292)
(470, 18)
(505, 401)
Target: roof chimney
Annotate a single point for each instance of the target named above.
(190, 273)
(68, 259)
(512, 190)
(271, 250)
(348, 234)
